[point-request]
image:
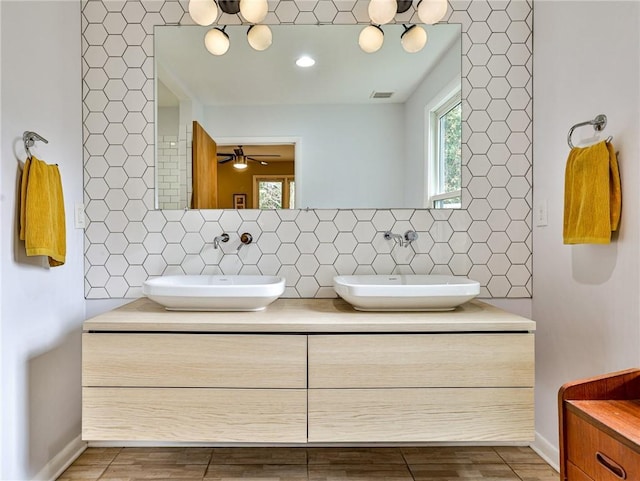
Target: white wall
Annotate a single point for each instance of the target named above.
(168, 121)
(2, 243)
(447, 69)
(41, 309)
(585, 298)
(339, 146)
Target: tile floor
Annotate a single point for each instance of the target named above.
(311, 464)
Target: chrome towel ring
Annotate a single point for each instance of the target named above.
(29, 138)
(599, 123)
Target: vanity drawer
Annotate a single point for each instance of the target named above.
(196, 415)
(194, 360)
(421, 415)
(421, 360)
(597, 454)
(575, 474)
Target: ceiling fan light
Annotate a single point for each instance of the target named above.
(216, 41)
(254, 11)
(203, 12)
(382, 11)
(432, 11)
(371, 38)
(413, 39)
(240, 163)
(259, 37)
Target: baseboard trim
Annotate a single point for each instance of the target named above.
(547, 451)
(181, 444)
(61, 461)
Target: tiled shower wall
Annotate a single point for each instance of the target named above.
(169, 171)
(127, 240)
(173, 170)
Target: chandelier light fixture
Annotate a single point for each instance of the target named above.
(217, 41)
(254, 11)
(371, 38)
(203, 12)
(432, 11)
(413, 39)
(382, 11)
(259, 37)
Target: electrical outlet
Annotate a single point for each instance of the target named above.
(79, 216)
(541, 213)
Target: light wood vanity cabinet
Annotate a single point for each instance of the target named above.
(307, 371)
(194, 387)
(194, 360)
(421, 387)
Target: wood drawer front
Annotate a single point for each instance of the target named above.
(197, 415)
(421, 415)
(421, 360)
(194, 360)
(575, 474)
(585, 441)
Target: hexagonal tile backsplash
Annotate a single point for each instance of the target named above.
(127, 241)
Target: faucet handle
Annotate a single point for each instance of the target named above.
(246, 238)
(410, 236)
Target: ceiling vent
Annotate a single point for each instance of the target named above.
(381, 95)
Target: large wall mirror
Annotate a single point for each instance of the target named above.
(252, 129)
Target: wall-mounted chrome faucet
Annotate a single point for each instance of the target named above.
(404, 241)
(397, 238)
(224, 237)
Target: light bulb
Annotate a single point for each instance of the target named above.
(240, 163)
(432, 11)
(254, 11)
(259, 37)
(203, 12)
(305, 61)
(382, 11)
(371, 38)
(413, 39)
(216, 41)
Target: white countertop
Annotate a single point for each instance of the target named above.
(308, 316)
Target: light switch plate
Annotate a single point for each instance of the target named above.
(541, 214)
(79, 216)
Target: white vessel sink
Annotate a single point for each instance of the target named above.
(405, 292)
(214, 292)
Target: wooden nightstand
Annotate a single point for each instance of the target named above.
(600, 428)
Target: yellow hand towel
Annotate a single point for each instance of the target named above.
(42, 220)
(592, 195)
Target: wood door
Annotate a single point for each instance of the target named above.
(205, 170)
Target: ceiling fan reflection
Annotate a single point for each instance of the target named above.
(239, 155)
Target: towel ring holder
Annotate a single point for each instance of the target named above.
(599, 123)
(29, 138)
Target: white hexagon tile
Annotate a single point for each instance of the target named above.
(127, 241)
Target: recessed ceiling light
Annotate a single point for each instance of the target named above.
(305, 61)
